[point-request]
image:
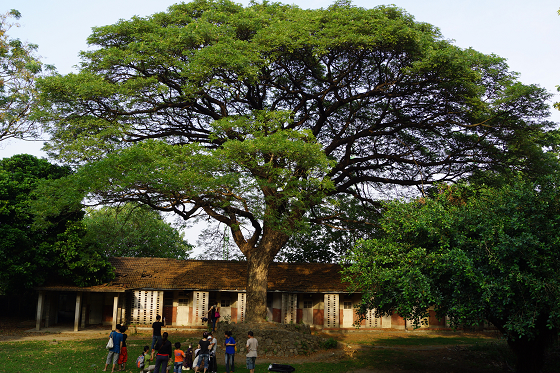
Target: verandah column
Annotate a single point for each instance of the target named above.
(40, 302)
(77, 311)
(115, 311)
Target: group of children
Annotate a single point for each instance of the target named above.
(181, 358)
(204, 356)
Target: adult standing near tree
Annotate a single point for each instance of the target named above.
(251, 357)
(156, 333)
(113, 355)
(165, 350)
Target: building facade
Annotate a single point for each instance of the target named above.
(182, 291)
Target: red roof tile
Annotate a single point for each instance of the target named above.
(210, 275)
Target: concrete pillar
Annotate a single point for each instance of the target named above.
(332, 309)
(201, 301)
(115, 311)
(241, 307)
(77, 311)
(40, 303)
(386, 322)
(83, 322)
(289, 308)
(47, 309)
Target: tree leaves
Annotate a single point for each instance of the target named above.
(476, 254)
(19, 67)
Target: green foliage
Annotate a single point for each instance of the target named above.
(288, 166)
(133, 231)
(19, 67)
(476, 254)
(557, 104)
(330, 343)
(335, 227)
(352, 76)
(31, 254)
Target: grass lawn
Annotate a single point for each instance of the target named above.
(455, 356)
(428, 341)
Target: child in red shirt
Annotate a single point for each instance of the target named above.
(179, 357)
(123, 355)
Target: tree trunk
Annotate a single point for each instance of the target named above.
(258, 263)
(530, 353)
(257, 279)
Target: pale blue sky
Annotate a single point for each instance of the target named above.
(525, 32)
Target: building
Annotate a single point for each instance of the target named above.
(183, 290)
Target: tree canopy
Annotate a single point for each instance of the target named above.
(133, 231)
(475, 255)
(31, 254)
(255, 115)
(19, 67)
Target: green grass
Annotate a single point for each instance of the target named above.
(89, 356)
(427, 341)
(53, 356)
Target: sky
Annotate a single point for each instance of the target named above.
(526, 33)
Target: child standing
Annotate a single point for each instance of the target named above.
(141, 361)
(230, 352)
(196, 357)
(123, 355)
(188, 363)
(179, 357)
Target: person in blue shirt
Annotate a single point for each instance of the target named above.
(114, 352)
(230, 352)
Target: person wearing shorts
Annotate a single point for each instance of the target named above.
(251, 357)
(113, 355)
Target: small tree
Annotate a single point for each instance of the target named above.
(489, 254)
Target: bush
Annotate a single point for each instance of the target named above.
(330, 343)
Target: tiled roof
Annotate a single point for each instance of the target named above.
(210, 275)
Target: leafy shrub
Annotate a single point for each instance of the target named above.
(330, 343)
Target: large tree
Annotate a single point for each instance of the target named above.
(255, 115)
(475, 255)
